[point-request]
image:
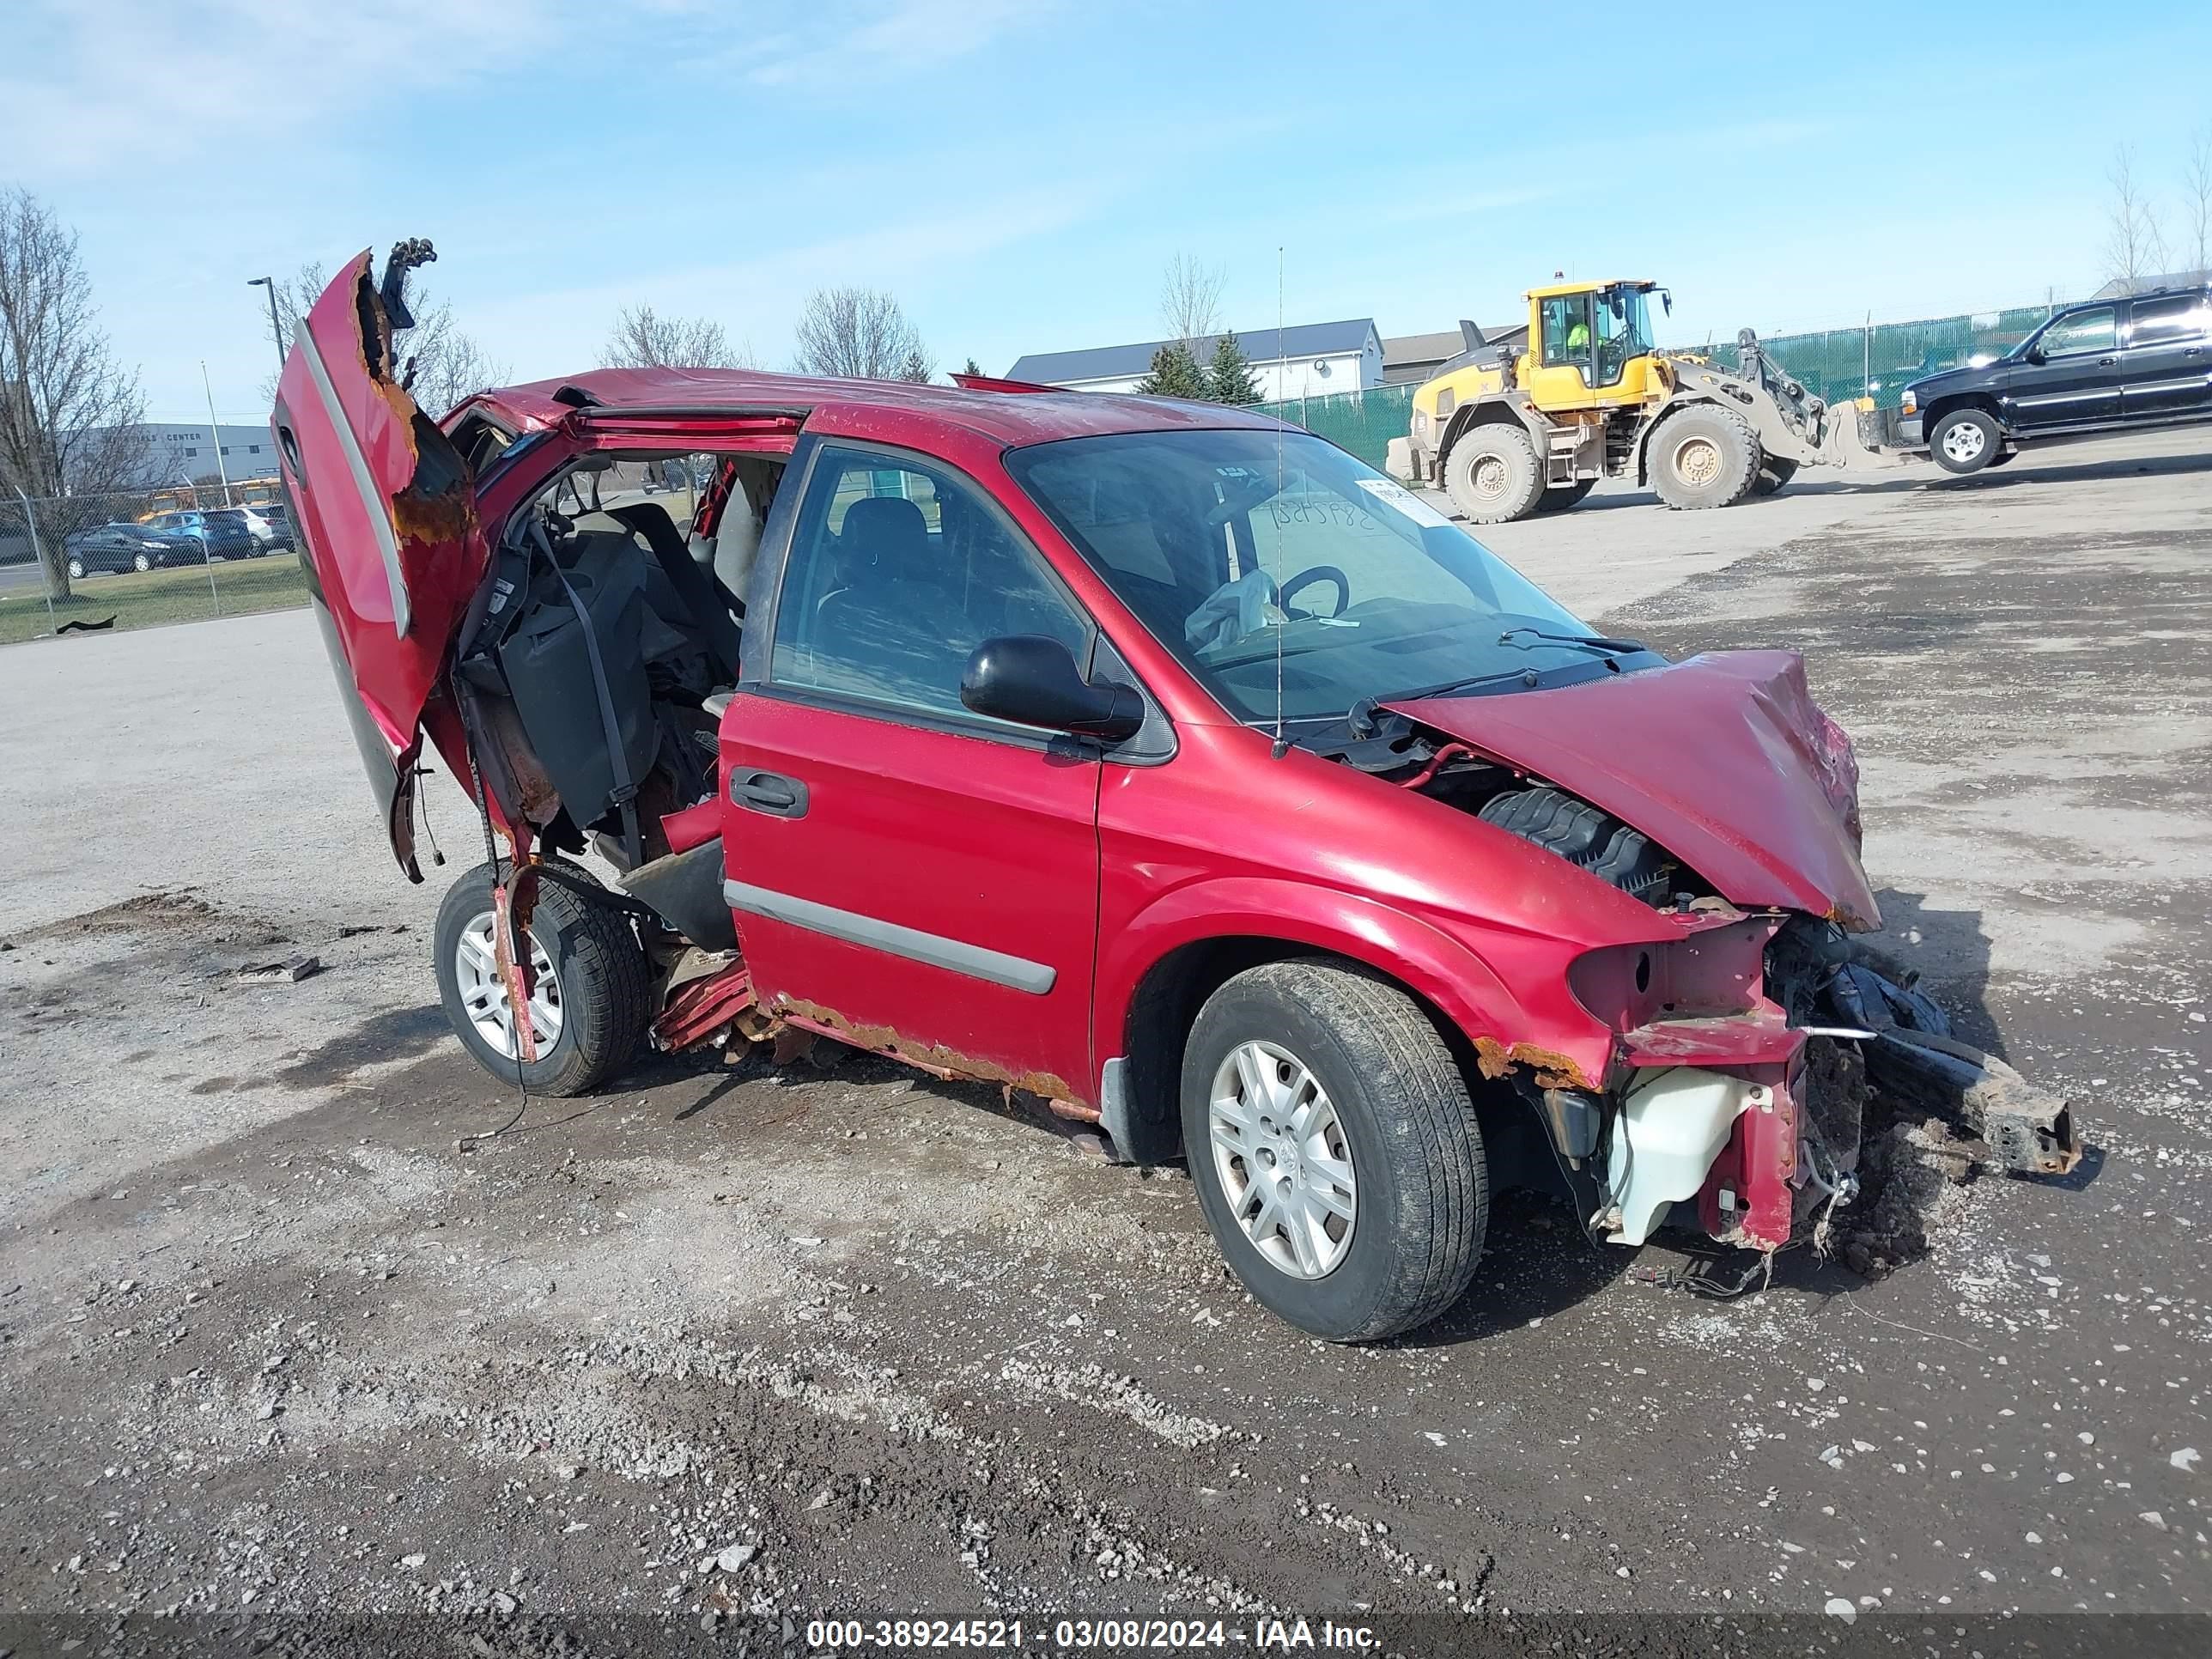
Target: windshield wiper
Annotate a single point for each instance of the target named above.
(1594, 641)
(1362, 714)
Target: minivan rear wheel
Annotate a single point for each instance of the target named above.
(1335, 1149)
(591, 994)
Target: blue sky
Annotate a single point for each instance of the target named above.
(1018, 173)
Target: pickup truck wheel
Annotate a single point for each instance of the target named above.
(1966, 440)
(592, 995)
(1334, 1150)
(1704, 456)
(1561, 497)
(1493, 474)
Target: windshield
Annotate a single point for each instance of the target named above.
(1233, 546)
(1623, 329)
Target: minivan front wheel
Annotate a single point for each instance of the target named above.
(1966, 440)
(1334, 1150)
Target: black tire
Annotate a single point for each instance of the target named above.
(1420, 1181)
(1966, 440)
(606, 985)
(1559, 497)
(142, 563)
(76, 570)
(1704, 456)
(1493, 474)
(1774, 475)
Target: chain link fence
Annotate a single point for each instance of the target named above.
(141, 558)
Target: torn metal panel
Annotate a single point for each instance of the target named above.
(699, 1007)
(2030, 1131)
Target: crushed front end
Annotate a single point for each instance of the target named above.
(1753, 1031)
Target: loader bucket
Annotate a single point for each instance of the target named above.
(1845, 443)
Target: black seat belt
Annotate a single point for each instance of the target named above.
(693, 585)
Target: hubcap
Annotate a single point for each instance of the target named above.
(483, 991)
(1964, 441)
(1490, 477)
(1283, 1159)
(1698, 461)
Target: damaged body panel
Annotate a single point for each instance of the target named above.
(1152, 760)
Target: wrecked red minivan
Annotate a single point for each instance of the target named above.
(1151, 758)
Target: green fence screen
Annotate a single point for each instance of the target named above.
(1363, 423)
(1837, 364)
(1881, 359)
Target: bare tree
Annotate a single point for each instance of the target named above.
(1190, 299)
(2134, 244)
(2197, 201)
(858, 334)
(441, 364)
(72, 420)
(643, 338)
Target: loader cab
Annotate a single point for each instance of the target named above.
(1589, 343)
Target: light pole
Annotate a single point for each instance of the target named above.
(275, 328)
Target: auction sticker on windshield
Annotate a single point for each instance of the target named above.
(1395, 493)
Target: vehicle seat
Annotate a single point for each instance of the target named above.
(892, 593)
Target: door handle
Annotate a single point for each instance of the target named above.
(771, 792)
(2190, 351)
(2106, 363)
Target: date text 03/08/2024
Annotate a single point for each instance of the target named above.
(1080, 1634)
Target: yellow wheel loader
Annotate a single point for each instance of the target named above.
(1590, 397)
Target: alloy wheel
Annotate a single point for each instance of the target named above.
(1285, 1164)
(484, 995)
(1965, 442)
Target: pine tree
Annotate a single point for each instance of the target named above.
(1229, 377)
(973, 369)
(1175, 374)
(915, 369)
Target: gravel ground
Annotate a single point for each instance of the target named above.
(738, 1346)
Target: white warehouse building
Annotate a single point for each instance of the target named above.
(1306, 360)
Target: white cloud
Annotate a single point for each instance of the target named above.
(878, 38)
(138, 89)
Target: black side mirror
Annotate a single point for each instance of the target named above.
(2033, 355)
(1033, 680)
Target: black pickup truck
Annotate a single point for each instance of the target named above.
(2097, 367)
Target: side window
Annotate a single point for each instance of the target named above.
(2085, 330)
(898, 570)
(2179, 318)
(1567, 329)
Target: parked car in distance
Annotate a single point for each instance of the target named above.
(1154, 759)
(2103, 366)
(221, 532)
(119, 547)
(269, 525)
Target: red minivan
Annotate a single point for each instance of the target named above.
(1150, 757)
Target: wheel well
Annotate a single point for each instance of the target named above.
(1952, 405)
(1491, 411)
(1175, 987)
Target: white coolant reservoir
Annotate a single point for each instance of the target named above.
(1675, 1123)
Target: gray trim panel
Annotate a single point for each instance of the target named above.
(1015, 973)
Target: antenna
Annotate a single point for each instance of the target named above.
(1282, 745)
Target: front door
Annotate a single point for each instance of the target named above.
(902, 869)
(2168, 357)
(2079, 374)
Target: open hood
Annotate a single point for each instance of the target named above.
(387, 520)
(1724, 759)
